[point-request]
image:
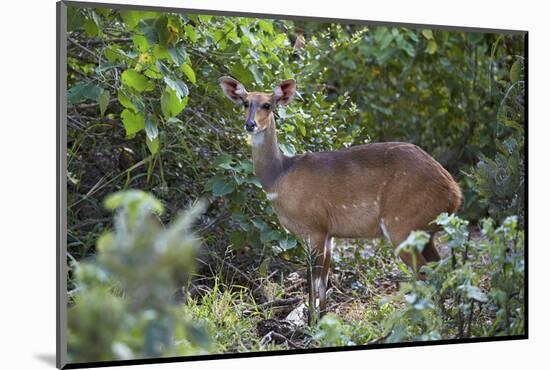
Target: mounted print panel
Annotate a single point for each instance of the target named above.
(251, 184)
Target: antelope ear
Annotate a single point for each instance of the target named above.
(284, 93)
(233, 89)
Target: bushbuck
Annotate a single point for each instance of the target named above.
(366, 191)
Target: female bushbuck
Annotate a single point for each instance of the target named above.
(366, 191)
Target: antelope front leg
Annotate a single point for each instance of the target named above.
(319, 257)
(323, 277)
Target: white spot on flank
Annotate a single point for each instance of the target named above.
(396, 218)
(272, 196)
(344, 207)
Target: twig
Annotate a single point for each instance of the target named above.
(280, 303)
(91, 105)
(101, 41)
(274, 335)
(378, 340)
(75, 43)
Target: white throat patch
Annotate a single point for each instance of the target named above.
(258, 139)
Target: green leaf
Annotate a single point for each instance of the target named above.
(130, 101)
(301, 128)
(153, 145)
(266, 26)
(256, 72)
(103, 101)
(170, 104)
(249, 35)
(428, 34)
(222, 188)
(386, 41)
(408, 48)
(287, 243)
(269, 235)
(242, 74)
(223, 161)
(178, 85)
(113, 55)
(174, 120)
(515, 71)
(133, 122)
(151, 128)
(161, 52)
(237, 239)
(259, 224)
(383, 37)
(136, 80)
(140, 43)
(82, 91)
(186, 68)
(475, 37)
(416, 241)
(190, 33)
(132, 17)
(155, 30)
(432, 47)
(288, 149)
(178, 55)
(91, 28)
(219, 186)
(75, 18)
(220, 39)
(475, 293)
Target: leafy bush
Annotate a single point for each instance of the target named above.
(123, 306)
(332, 332)
(459, 301)
(500, 179)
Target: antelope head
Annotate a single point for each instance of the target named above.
(258, 106)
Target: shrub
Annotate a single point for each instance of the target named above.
(457, 300)
(124, 305)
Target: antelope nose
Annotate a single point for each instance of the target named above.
(250, 125)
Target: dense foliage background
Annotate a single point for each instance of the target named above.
(145, 112)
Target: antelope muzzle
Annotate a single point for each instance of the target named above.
(250, 124)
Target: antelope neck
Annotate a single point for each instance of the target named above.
(269, 162)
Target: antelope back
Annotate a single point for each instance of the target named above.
(351, 193)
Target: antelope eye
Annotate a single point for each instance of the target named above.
(266, 106)
(246, 104)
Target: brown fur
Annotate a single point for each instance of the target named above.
(367, 191)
